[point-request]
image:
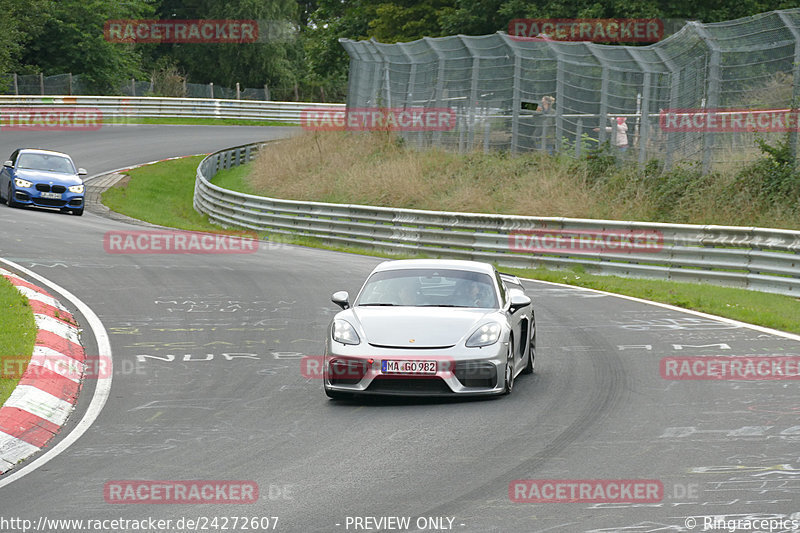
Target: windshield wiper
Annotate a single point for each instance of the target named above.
(377, 304)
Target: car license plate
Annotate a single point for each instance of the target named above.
(408, 367)
(52, 195)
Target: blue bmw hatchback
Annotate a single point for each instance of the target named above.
(42, 178)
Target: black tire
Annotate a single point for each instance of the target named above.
(509, 369)
(77, 212)
(10, 198)
(531, 353)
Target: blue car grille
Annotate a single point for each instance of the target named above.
(44, 187)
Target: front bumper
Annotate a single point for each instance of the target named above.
(460, 371)
(30, 196)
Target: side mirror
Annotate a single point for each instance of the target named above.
(8, 164)
(518, 301)
(342, 299)
(81, 172)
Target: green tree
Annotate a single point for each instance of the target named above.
(274, 60)
(71, 40)
(20, 23)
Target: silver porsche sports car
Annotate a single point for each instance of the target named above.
(430, 327)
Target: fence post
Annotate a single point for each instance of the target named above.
(559, 109)
(644, 112)
(473, 101)
(133, 86)
(713, 89)
(69, 84)
(440, 76)
(211, 89)
(16, 85)
(602, 134)
(516, 102)
(41, 83)
(603, 137)
(579, 138)
(674, 94)
(238, 92)
(266, 92)
(795, 80)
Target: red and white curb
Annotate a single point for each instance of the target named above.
(48, 390)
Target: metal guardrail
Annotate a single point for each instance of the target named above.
(759, 259)
(132, 107)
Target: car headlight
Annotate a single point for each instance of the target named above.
(77, 189)
(485, 335)
(344, 332)
(22, 184)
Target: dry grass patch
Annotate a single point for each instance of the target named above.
(378, 169)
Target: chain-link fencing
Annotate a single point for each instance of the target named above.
(73, 85)
(501, 86)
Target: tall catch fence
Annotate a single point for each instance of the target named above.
(495, 82)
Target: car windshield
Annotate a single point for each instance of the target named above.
(429, 288)
(49, 162)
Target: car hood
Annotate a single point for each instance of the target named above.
(37, 176)
(417, 327)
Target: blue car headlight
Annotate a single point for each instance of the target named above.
(485, 335)
(22, 184)
(344, 332)
(77, 189)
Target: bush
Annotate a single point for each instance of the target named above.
(772, 179)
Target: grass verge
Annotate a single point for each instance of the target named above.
(17, 336)
(162, 194)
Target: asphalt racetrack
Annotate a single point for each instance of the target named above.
(207, 385)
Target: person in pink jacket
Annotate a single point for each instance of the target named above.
(621, 138)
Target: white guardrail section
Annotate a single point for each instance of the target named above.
(132, 107)
(759, 259)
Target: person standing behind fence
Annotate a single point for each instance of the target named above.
(547, 129)
(620, 133)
